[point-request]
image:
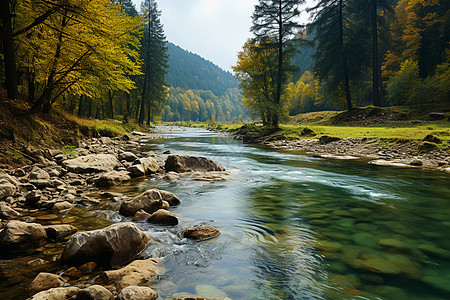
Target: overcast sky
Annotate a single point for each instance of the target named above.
(213, 29)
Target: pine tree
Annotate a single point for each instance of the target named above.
(154, 53)
(331, 41)
(277, 20)
(9, 52)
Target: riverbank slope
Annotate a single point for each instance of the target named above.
(382, 136)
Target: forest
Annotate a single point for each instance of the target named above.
(382, 53)
(115, 62)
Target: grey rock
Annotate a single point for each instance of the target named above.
(93, 163)
(127, 156)
(183, 163)
(8, 213)
(112, 178)
(44, 281)
(149, 201)
(111, 246)
(21, 235)
(57, 293)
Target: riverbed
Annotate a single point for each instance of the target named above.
(293, 226)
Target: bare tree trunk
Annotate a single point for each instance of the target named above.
(9, 51)
(375, 63)
(110, 104)
(80, 106)
(343, 57)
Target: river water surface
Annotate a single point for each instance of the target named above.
(294, 226)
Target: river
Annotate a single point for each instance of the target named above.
(292, 226)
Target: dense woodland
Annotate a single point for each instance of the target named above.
(376, 52)
(104, 59)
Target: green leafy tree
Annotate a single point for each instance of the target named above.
(277, 21)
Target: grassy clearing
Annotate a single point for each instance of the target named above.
(109, 128)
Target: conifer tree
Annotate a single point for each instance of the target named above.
(277, 20)
(154, 53)
(331, 45)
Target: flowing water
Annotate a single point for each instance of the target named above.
(292, 227)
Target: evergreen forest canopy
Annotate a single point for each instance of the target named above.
(376, 52)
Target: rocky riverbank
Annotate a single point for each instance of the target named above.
(400, 154)
(104, 263)
(424, 153)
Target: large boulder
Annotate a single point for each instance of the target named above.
(184, 163)
(137, 293)
(45, 281)
(93, 163)
(20, 235)
(57, 293)
(112, 178)
(137, 272)
(111, 246)
(149, 201)
(144, 166)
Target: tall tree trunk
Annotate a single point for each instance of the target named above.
(375, 63)
(144, 92)
(45, 98)
(90, 107)
(149, 109)
(80, 106)
(9, 52)
(280, 58)
(344, 58)
(110, 104)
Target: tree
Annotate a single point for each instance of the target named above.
(256, 71)
(83, 48)
(155, 56)
(277, 21)
(9, 52)
(331, 41)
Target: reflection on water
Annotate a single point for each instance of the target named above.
(293, 227)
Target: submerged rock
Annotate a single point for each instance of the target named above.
(200, 233)
(137, 293)
(111, 246)
(184, 163)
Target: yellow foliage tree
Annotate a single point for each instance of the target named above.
(82, 47)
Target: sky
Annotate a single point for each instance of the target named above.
(213, 29)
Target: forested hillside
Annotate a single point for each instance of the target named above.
(200, 90)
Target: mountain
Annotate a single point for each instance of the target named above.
(200, 90)
(188, 70)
